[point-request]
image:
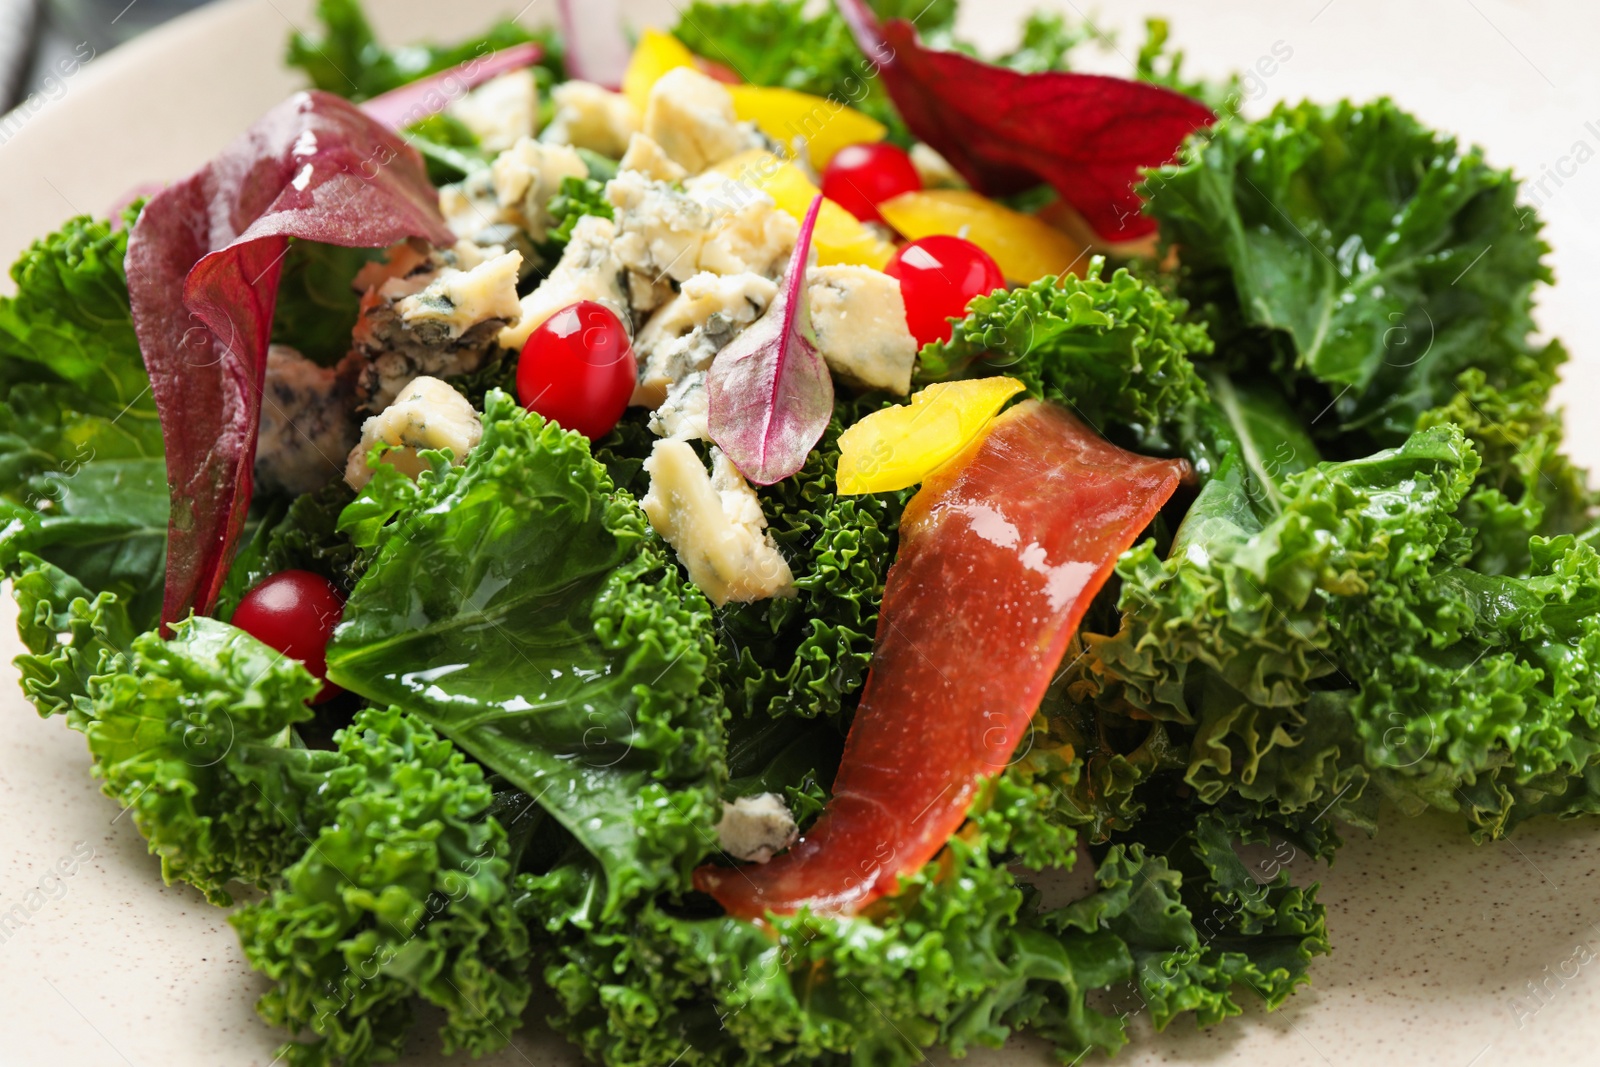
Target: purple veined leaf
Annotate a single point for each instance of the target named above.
(410, 104)
(596, 50)
(770, 392)
(203, 264)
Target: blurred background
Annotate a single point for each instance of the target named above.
(36, 36)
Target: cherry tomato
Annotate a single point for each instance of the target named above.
(862, 176)
(294, 612)
(939, 276)
(578, 370)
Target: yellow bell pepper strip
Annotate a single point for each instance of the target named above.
(655, 54)
(839, 237)
(1026, 247)
(784, 114)
(900, 446)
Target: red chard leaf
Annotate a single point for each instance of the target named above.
(203, 265)
(413, 102)
(1087, 135)
(596, 49)
(769, 390)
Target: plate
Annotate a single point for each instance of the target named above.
(1444, 952)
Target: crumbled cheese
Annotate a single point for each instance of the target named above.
(457, 300)
(428, 414)
(665, 235)
(659, 235)
(754, 829)
(715, 524)
(525, 177)
(859, 315)
(501, 110)
(692, 117)
(307, 424)
(748, 233)
(708, 312)
(588, 116)
(588, 270)
(686, 412)
(470, 206)
(645, 156)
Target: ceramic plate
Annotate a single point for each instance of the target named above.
(1444, 953)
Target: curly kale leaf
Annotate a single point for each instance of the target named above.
(72, 635)
(1229, 634)
(521, 605)
(1526, 486)
(1116, 350)
(403, 892)
(194, 738)
(82, 479)
(389, 876)
(1358, 256)
(577, 197)
(963, 956)
(1251, 927)
(1346, 641)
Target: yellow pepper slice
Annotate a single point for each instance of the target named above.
(784, 114)
(1026, 247)
(839, 237)
(900, 446)
(654, 55)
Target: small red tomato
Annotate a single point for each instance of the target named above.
(294, 612)
(938, 277)
(578, 370)
(859, 177)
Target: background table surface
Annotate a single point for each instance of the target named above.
(1437, 943)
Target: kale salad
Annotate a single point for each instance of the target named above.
(688, 534)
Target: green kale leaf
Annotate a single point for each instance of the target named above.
(521, 605)
(578, 197)
(403, 891)
(194, 739)
(1116, 350)
(1333, 633)
(1357, 256)
(1526, 486)
(82, 479)
(304, 536)
(72, 636)
(962, 956)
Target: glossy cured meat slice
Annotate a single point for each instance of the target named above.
(1000, 554)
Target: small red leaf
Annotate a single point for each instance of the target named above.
(415, 101)
(203, 264)
(1087, 135)
(769, 390)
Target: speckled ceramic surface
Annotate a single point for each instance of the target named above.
(1444, 953)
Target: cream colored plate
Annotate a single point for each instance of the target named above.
(1435, 941)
